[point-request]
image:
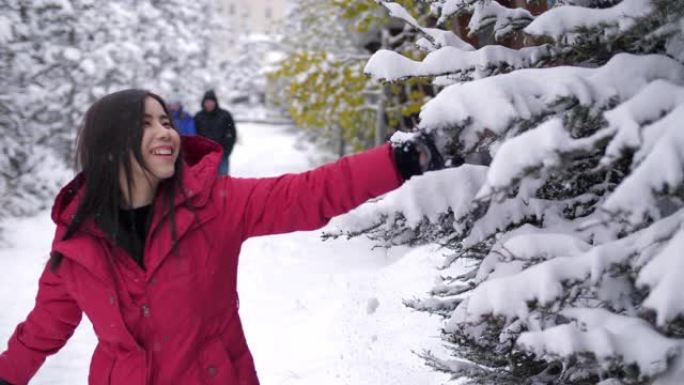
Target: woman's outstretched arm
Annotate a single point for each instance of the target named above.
(47, 328)
(307, 201)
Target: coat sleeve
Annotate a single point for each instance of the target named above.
(231, 134)
(307, 201)
(192, 129)
(47, 328)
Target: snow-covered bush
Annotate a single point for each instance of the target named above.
(565, 252)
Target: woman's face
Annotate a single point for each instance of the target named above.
(160, 144)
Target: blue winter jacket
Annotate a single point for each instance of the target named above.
(183, 122)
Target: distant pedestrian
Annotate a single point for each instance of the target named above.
(183, 121)
(217, 124)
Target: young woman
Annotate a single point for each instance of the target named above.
(147, 246)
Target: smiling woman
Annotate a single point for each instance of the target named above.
(159, 148)
(133, 250)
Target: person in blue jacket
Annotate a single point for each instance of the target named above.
(181, 119)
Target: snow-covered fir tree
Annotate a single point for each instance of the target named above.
(59, 56)
(564, 253)
(36, 98)
(176, 37)
(244, 74)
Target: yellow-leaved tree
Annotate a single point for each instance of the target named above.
(322, 82)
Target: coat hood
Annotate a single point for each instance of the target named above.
(201, 158)
(209, 95)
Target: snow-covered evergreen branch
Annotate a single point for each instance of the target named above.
(388, 65)
(569, 243)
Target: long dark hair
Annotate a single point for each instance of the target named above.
(110, 132)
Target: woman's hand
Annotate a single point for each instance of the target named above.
(415, 153)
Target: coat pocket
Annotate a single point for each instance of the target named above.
(215, 364)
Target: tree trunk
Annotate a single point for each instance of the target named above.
(380, 122)
(341, 142)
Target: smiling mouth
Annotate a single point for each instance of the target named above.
(162, 151)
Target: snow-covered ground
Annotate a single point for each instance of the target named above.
(314, 312)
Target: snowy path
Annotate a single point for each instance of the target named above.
(314, 312)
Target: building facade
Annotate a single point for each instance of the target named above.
(241, 18)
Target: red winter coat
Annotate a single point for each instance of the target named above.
(177, 322)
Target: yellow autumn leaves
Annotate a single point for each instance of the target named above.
(326, 91)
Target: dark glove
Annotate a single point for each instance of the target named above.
(415, 154)
(3, 382)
